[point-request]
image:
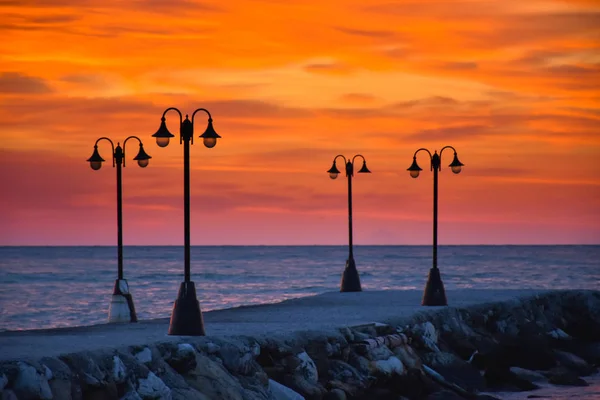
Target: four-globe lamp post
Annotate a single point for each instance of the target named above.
(350, 279)
(435, 294)
(186, 318)
(121, 307)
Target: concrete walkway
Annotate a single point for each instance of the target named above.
(322, 312)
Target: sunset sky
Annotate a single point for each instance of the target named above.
(514, 86)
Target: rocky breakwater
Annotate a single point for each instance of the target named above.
(444, 353)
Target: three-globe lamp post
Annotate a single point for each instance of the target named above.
(350, 279)
(186, 317)
(434, 293)
(121, 307)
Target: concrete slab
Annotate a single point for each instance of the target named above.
(323, 312)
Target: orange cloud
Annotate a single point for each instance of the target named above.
(290, 85)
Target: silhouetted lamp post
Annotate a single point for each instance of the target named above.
(350, 279)
(121, 305)
(186, 318)
(435, 294)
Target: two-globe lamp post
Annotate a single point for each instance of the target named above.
(435, 294)
(186, 318)
(350, 279)
(121, 307)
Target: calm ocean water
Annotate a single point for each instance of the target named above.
(44, 287)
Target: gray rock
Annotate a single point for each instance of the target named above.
(562, 376)
(387, 368)
(153, 388)
(281, 392)
(213, 380)
(8, 395)
(378, 353)
(30, 384)
(307, 368)
(573, 362)
(408, 356)
(455, 370)
(188, 394)
(61, 389)
(335, 394)
(182, 359)
(444, 395)
(144, 356)
(531, 376)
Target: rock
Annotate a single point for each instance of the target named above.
(408, 356)
(153, 388)
(531, 376)
(444, 395)
(573, 362)
(144, 356)
(8, 395)
(281, 392)
(360, 363)
(30, 384)
(187, 394)
(307, 368)
(562, 376)
(559, 334)
(213, 380)
(61, 389)
(345, 377)
(427, 334)
(502, 378)
(183, 359)
(131, 396)
(118, 373)
(378, 353)
(455, 370)
(335, 394)
(389, 367)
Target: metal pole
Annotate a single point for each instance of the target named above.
(186, 203)
(119, 160)
(351, 253)
(435, 211)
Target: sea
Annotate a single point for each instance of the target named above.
(46, 287)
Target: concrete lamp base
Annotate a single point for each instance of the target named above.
(434, 294)
(186, 318)
(350, 279)
(121, 307)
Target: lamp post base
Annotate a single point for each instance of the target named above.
(350, 279)
(434, 294)
(186, 318)
(121, 304)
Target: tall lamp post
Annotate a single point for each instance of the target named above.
(435, 294)
(121, 307)
(186, 318)
(350, 279)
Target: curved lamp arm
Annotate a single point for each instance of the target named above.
(364, 168)
(201, 109)
(112, 146)
(455, 165)
(446, 147)
(142, 158)
(175, 109)
(428, 152)
(333, 171)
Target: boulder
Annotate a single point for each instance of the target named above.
(565, 377)
(213, 380)
(574, 363)
(455, 370)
